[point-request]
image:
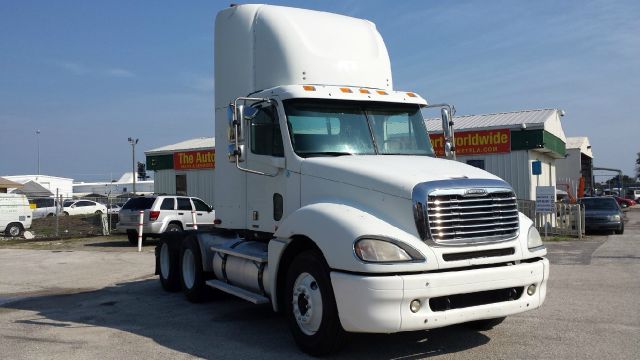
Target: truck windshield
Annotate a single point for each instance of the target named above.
(334, 128)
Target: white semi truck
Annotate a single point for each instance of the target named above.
(331, 205)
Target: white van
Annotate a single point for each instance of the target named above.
(15, 214)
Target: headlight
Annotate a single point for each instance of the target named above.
(377, 250)
(614, 217)
(533, 239)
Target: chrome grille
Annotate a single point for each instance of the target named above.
(454, 218)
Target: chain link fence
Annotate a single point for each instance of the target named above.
(65, 217)
(98, 215)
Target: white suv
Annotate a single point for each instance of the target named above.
(162, 213)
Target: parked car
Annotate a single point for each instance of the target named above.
(114, 209)
(44, 207)
(634, 194)
(162, 213)
(624, 203)
(83, 207)
(15, 214)
(603, 213)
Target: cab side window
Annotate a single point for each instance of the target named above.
(266, 138)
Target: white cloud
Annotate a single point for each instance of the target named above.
(118, 72)
(74, 68)
(81, 69)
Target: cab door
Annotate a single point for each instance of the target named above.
(266, 194)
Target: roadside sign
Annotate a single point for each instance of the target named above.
(536, 167)
(545, 199)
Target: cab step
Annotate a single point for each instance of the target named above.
(239, 292)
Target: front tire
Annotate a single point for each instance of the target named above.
(311, 308)
(191, 275)
(14, 229)
(621, 230)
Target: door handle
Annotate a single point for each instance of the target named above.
(180, 213)
(199, 214)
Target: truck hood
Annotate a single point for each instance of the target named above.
(391, 174)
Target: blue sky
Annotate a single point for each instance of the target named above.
(90, 74)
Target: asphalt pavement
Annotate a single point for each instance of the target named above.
(99, 299)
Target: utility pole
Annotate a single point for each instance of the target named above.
(133, 143)
(38, 150)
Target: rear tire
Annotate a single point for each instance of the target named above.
(168, 266)
(310, 305)
(173, 227)
(98, 212)
(192, 276)
(14, 229)
(486, 324)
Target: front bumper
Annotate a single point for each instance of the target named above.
(380, 304)
(608, 225)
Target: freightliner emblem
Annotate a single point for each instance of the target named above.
(475, 192)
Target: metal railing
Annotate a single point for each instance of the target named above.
(567, 220)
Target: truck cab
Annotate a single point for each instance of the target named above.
(331, 204)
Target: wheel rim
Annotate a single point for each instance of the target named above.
(307, 303)
(164, 261)
(173, 229)
(14, 231)
(188, 269)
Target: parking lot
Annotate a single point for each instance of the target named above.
(97, 298)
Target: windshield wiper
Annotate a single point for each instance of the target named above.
(323, 153)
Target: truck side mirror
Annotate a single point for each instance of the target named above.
(239, 121)
(231, 136)
(447, 128)
(446, 119)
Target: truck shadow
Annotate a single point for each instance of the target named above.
(122, 244)
(224, 327)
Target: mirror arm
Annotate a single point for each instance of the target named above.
(236, 125)
(452, 111)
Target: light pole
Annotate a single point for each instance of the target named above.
(133, 143)
(38, 149)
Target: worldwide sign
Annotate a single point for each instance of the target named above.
(191, 160)
(475, 142)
